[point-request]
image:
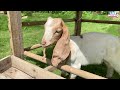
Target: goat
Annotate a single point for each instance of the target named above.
(92, 48)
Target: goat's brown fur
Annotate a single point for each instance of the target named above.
(62, 48)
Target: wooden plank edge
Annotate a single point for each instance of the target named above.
(15, 73)
(81, 73)
(32, 70)
(100, 21)
(5, 63)
(33, 23)
(4, 76)
(32, 47)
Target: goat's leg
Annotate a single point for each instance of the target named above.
(77, 66)
(44, 54)
(73, 76)
(110, 70)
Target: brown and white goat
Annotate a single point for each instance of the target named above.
(93, 48)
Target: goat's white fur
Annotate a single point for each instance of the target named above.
(48, 35)
(95, 48)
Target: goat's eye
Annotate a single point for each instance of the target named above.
(57, 31)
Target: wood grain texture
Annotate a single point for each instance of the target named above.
(33, 47)
(4, 76)
(32, 70)
(5, 63)
(16, 74)
(15, 28)
(34, 23)
(78, 23)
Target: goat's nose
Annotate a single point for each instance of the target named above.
(43, 42)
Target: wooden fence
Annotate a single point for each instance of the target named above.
(15, 26)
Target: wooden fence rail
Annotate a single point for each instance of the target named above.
(81, 73)
(101, 21)
(16, 37)
(33, 23)
(32, 47)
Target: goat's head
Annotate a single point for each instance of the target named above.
(56, 32)
(53, 31)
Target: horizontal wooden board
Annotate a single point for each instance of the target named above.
(5, 63)
(33, 47)
(101, 21)
(33, 23)
(33, 70)
(81, 73)
(3, 76)
(15, 30)
(16, 74)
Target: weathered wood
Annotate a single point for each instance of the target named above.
(50, 68)
(4, 76)
(5, 63)
(32, 70)
(78, 23)
(16, 74)
(39, 58)
(101, 21)
(33, 47)
(68, 20)
(15, 25)
(81, 73)
(67, 68)
(33, 23)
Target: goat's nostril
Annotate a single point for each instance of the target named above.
(43, 42)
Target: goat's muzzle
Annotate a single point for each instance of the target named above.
(43, 42)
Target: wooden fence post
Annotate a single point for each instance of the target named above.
(78, 23)
(15, 25)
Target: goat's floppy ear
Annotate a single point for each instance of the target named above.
(62, 48)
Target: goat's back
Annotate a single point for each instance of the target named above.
(97, 47)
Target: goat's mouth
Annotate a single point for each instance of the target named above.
(48, 45)
(45, 46)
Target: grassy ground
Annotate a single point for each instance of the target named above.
(33, 35)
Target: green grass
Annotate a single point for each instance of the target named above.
(33, 35)
(4, 37)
